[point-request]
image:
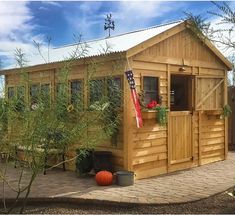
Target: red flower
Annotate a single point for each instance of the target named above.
(152, 104)
(149, 105)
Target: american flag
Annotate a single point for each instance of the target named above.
(131, 81)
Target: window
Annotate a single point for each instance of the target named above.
(110, 87)
(34, 93)
(18, 94)
(21, 92)
(11, 92)
(62, 93)
(76, 92)
(150, 87)
(60, 89)
(45, 94)
(20, 104)
(40, 94)
(96, 90)
(114, 90)
(45, 89)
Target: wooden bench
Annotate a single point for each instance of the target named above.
(43, 149)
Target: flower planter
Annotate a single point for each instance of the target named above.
(149, 114)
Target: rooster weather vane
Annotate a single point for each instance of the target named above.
(109, 24)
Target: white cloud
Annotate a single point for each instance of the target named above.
(134, 15)
(85, 20)
(16, 30)
(14, 17)
(128, 16)
(52, 3)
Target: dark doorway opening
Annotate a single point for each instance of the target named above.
(181, 92)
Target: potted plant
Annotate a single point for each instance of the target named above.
(227, 111)
(84, 161)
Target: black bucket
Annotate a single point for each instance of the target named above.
(102, 160)
(125, 178)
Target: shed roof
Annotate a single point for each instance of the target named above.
(98, 47)
(113, 44)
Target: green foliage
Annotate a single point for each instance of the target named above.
(39, 123)
(227, 111)
(199, 26)
(84, 160)
(226, 14)
(222, 34)
(162, 115)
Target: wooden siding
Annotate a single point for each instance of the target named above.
(209, 93)
(150, 148)
(182, 45)
(151, 69)
(152, 154)
(231, 121)
(212, 138)
(147, 151)
(150, 142)
(52, 77)
(195, 134)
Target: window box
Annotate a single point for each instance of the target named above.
(149, 114)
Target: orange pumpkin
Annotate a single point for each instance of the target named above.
(104, 178)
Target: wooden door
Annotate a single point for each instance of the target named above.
(209, 93)
(180, 139)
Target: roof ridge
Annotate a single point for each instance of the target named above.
(130, 32)
(148, 28)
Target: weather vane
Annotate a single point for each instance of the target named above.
(109, 24)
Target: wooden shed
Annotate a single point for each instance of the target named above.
(169, 62)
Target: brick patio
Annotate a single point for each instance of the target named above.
(178, 187)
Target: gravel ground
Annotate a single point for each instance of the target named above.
(219, 204)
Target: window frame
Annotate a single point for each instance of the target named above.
(158, 85)
(121, 87)
(105, 87)
(89, 89)
(56, 92)
(14, 91)
(39, 91)
(82, 90)
(50, 91)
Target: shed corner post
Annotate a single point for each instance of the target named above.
(199, 138)
(127, 126)
(226, 118)
(5, 84)
(53, 85)
(168, 118)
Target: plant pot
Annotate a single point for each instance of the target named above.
(84, 162)
(125, 178)
(102, 160)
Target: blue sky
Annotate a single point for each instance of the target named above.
(22, 22)
(61, 20)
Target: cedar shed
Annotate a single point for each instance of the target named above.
(168, 61)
